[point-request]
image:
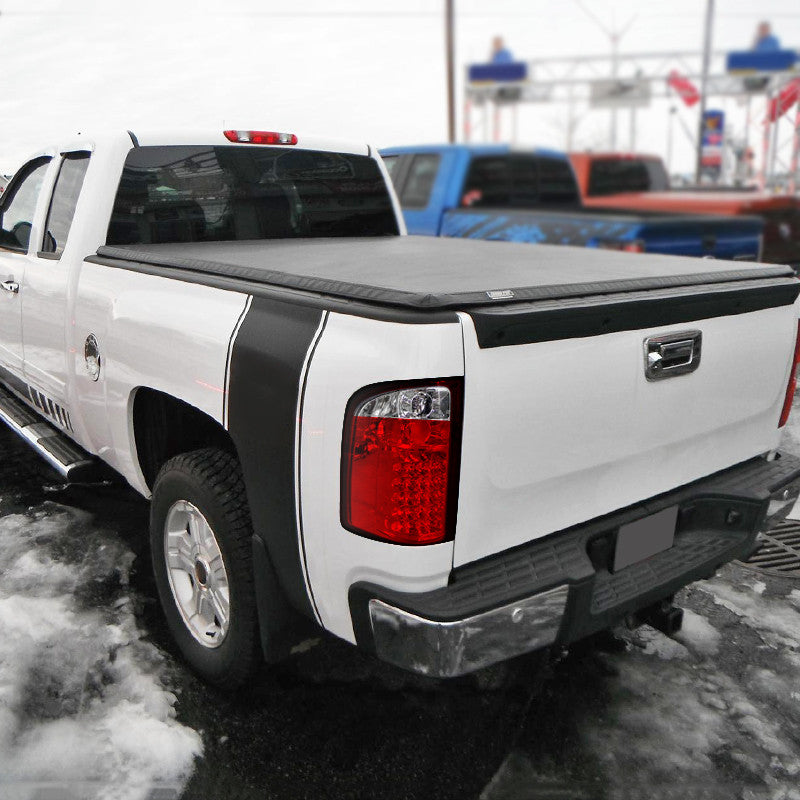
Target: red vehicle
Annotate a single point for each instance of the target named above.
(640, 182)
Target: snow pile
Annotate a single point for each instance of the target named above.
(698, 634)
(81, 695)
(775, 622)
(712, 712)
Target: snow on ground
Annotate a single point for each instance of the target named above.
(82, 695)
(691, 716)
(777, 623)
(698, 634)
(678, 718)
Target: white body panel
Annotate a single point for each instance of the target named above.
(352, 353)
(16, 267)
(12, 268)
(557, 433)
(153, 332)
(47, 287)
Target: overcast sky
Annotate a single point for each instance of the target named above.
(363, 69)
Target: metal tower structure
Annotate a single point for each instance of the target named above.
(581, 82)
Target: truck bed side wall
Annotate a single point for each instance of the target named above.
(152, 332)
(354, 352)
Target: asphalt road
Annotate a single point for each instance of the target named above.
(628, 715)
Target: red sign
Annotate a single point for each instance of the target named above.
(787, 97)
(687, 91)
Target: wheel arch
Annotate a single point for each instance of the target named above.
(165, 426)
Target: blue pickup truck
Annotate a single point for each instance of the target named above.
(502, 194)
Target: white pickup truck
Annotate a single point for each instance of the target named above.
(447, 452)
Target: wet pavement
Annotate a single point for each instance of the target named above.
(714, 713)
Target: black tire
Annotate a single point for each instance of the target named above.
(211, 480)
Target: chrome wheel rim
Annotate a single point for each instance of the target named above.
(196, 573)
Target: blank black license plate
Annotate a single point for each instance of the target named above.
(639, 540)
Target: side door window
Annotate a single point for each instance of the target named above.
(422, 172)
(62, 204)
(397, 167)
(391, 162)
(19, 206)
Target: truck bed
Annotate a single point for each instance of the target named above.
(425, 273)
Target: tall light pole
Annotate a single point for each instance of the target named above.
(614, 35)
(449, 24)
(707, 36)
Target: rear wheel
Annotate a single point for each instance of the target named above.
(200, 537)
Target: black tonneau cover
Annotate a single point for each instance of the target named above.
(427, 273)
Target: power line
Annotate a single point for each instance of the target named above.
(394, 14)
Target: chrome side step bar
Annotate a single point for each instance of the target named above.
(68, 459)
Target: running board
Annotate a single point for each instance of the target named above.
(70, 461)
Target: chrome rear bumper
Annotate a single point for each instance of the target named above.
(448, 649)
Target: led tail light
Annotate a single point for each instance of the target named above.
(400, 461)
(260, 137)
(790, 389)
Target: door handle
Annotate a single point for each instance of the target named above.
(672, 354)
(10, 286)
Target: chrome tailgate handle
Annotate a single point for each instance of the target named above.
(10, 286)
(672, 354)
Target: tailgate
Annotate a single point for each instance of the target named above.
(561, 424)
(734, 238)
(782, 235)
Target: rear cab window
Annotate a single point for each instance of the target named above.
(62, 203)
(617, 176)
(513, 180)
(19, 205)
(227, 192)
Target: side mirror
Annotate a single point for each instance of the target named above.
(21, 232)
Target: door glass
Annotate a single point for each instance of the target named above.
(420, 180)
(62, 205)
(19, 205)
(390, 162)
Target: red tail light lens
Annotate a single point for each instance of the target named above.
(260, 137)
(400, 462)
(790, 389)
(634, 246)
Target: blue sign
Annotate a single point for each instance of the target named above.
(762, 61)
(498, 73)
